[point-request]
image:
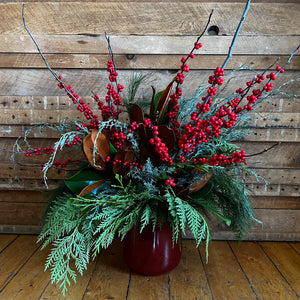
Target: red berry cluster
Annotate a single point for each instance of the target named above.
(170, 181)
(118, 139)
(112, 72)
(127, 164)
(81, 104)
(220, 160)
(113, 97)
(63, 164)
(174, 98)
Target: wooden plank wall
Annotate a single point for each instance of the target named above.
(149, 37)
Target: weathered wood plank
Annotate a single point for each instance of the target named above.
(140, 62)
(276, 224)
(150, 288)
(22, 196)
(20, 229)
(188, 279)
(286, 260)
(274, 190)
(273, 104)
(227, 280)
(14, 256)
(187, 18)
(252, 45)
(277, 221)
(29, 172)
(295, 246)
(283, 155)
(37, 82)
(238, 1)
(264, 278)
(110, 277)
(276, 202)
(5, 240)
(278, 176)
(31, 280)
(257, 236)
(265, 119)
(273, 135)
(21, 213)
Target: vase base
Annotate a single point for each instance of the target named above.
(151, 252)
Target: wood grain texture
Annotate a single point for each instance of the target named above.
(12, 258)
(266, 282)
(224, 273)
(5, 240)
(31, 279)
(21, 213)
(256, 46)
(227, 281)
(188, 281)
(182, 18)
(151, 288)
(110, 277)
(39, 82)
(138, 62)
(279, 256)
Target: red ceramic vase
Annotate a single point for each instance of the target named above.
(151, 253)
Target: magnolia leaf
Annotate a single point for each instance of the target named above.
(79, 181)
(167, 136)
(136, 113)
(125, 156)
(92, 187)
(197, 186)
(96, 159)
(163, 100)
(152, 107)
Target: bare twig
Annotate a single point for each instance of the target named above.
(48, 66)
(263, 151)
(236, 34)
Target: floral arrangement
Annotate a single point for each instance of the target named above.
(174, 162)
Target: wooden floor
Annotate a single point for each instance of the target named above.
(262, 270)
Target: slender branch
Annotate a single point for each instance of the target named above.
(47, 65)
(290, 58)
(236, 34)
(263, 151)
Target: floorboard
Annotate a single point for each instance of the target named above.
(259, 271)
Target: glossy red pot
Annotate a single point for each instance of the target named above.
(151, 253)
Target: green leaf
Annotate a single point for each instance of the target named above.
(113, 150)
(156, 100)
(225, 219)
(82, 179)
